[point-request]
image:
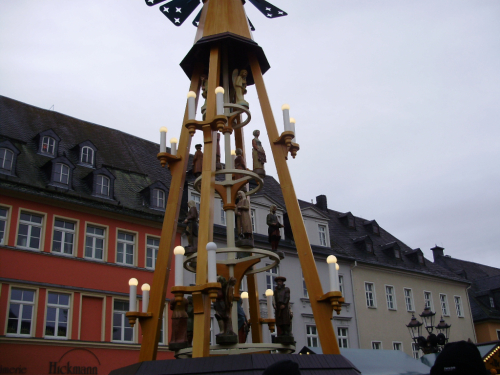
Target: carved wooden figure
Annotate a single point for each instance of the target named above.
(178, 338)
(258, 155)
(197, 161)
(273, 224)
(281, 304)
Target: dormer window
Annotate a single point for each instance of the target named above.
(392, 249)
(420, 258)
(102, 185)
(48, 145)
(158, 200)
(369, 247)
(397, 253)
(61, 173)
(372, 227)
(87, 155)
(348, 220)
(6, 159)
(364, 243)
(416, 256)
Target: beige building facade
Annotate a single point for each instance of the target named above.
(386, 298)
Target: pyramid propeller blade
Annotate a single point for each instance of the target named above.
(177, 11)
(196, 21)
(153, 2)
(268, 9)
(251, 25)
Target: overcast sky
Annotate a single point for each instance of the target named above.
(397, 103)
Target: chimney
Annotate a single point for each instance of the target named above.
(321, 202)
(437, 252)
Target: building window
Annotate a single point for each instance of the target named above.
(409, 299)
(102, 185)
(376, 345)
(122, 331)
(22, 302)
(30, 231)
(196, 199)
(390, 297)
(3, 224)
(322, 235)
(64, 234)
(415, 350)
(48, 145)
(370, 294)
(152, 247)
(158, 198)
(305, 293)
(458, 306)
(420, 258)
(94, 243)
(56, 324)
(271, 274)
(428, 300)
(61, 174)
(312, 336)
(6, 159)
(492, 302)
(350, 222)
(397, 254)
(254, 220)
(87, 156)
(282, 229)
(341, 284)
(444, 304)
(343, 337)
(397, 346)
(222, 214)
(125, 248)
(498, 334)
(369, 247)
(375, 229)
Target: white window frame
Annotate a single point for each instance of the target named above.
(271, 274)
(95, 237)
(89, 153)
(395, 344)
(46, 140)
(341, 284)
(305, 293)
(312, 336)
(445, 308)
(65, 232)
(4, 159)
(22, 303)
(61, 176)
(370, 297)
(492, 302)
(410, 305)
(30, 225)
(4, 225)
(100, 186)
(124, 244)
(322, 235)
(375, 344)
(415, 352)
(124, 323)
(282, 229)
(428, 301)
(458, 306)
(222, 214)
(158, 198)
(343, 337)
(58, 307)
(253, 216)
(390, 297)
(153, 249)
(197, 201)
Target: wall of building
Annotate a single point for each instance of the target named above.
(92, 286)
(487, 331)
(387, 326)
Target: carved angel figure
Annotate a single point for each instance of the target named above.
(240, 86)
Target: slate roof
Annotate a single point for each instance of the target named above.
(133, 163)
(485, 284)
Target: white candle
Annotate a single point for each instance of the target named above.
(212, 262)
(233, 156)
(333, 271)
(133, 294)
(191, 105)
(286, 116)
(269, 295)
(163, 139)
(173, 146)
(244, 302)
(219, 99)
(179, 265)
(145, 297)
(292, 128)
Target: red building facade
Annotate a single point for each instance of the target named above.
(81, 209)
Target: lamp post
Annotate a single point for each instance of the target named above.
(432, 343)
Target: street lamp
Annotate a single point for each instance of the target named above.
(433, 343)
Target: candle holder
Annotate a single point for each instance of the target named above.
(134, 315)
(167, 158)
(211, 289)
(335, 299)
(285, 140)
(271, 323)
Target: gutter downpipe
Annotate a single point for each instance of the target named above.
(354, 304)
(470, 311)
